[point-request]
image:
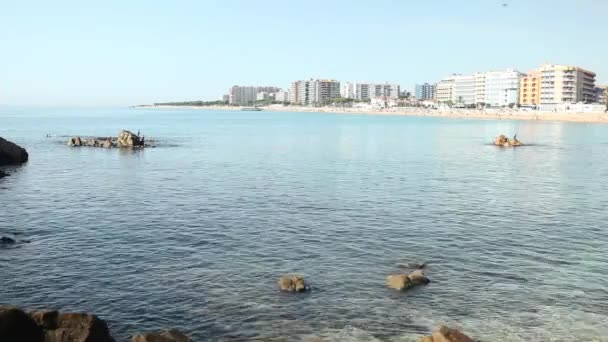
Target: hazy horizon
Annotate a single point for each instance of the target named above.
(68, 53)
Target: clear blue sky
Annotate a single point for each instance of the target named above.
(134, 51)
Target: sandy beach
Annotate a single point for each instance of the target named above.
(491, 114)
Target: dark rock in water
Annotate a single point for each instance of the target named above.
(51, 326)
(75, 141)
(128, 139)
(3, 174)
(446, 334)
(16, 326)
(7, 240)
(413, 265)
(11, 153)
(165, 336)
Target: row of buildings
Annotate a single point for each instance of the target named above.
(549, 85)
(311, 92)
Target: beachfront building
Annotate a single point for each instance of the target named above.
(500, 88)
(425, 91)
(282, 96)
(444, 90)
(464, 91)
(601, 93)
(566, 84)
(247, 96)
(529, 89)
(314, 92)
(366, 91)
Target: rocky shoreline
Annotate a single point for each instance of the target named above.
(11, 154)
(17, 325)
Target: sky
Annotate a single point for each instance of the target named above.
(127, 52)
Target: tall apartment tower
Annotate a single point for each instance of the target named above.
(566, 84)
(444, 91)
(314, 92)
(425, 91)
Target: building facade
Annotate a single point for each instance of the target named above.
(501, 88)
(444, 90)
(425, 91)
(282, 96)
(247, 96)
(529, 89)
(566, 84)
(464, 91)
(314, 92)
(366, 91)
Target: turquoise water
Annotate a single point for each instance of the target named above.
(194, 233)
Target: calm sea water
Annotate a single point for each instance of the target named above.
(194, 233)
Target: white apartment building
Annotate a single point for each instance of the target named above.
(365, 91)
(314, 92)
(242, 96)
(464, 91)
(566, 84)
(282, 96)
(493, 88)
(444, 90)
(501, 88)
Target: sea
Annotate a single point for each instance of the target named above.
(194, 232)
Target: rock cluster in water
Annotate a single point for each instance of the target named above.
(446, 334)
(503, 141)
(406, 281)
(124, 139)
(53, 326)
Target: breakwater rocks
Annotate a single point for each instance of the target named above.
(124, 139)
(52, 326)
(503, 141)
(406, 281)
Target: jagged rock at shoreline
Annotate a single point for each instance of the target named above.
(446, 334)
(293, 283)
(51, 326)
(11, 153)
(406, 281)
(165, 336)
(17, 325)
(503, 141)
(124, 139)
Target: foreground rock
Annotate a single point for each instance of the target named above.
(51, 326)
(503, 141)
(11, 153)
(293, 283)
(445, 334)
(406, 281)
(3, 174)
(7, 241)
(165, 336)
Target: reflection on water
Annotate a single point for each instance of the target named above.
(194, 234)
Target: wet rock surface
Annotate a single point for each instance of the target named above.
(293, 283)
(446, 334)
(124, 139)
(11, 153)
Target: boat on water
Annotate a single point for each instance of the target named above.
(251, 109)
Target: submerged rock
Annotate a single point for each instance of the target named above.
(503, 141)
(11, 153)
(446, 334)
(293, 283)
(406, 281)
(165, 336)
(7, 240)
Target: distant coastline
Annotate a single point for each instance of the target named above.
(491, 114)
